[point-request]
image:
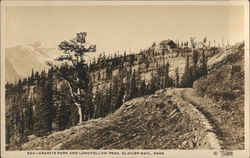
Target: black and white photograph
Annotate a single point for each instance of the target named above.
(125, 76)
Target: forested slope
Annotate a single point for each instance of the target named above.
(72, 101)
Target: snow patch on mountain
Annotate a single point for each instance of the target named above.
(23, 58)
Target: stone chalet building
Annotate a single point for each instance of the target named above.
(167, 45)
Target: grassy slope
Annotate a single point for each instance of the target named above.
(225, 85)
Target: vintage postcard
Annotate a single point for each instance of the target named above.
(124, 79)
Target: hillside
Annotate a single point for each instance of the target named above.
(225, 85)
(135, 102)
(158, 121)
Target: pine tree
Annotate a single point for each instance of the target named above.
(119, 96)
(168, 80)
(205, 41)
(203, 70)
(63, 110)
(114, 93)
(15, 122)
(177, 78)
(187, 80)
(147, 64)
(44, 108)
(178, 48)
(32, 77)
(74, 51)
(133, 88)
(98, 75)
(98, 99)
(193, 43)
(107, 101)
(142, 88)
(89, 101)
(152, 87)
(195, 57)
(9, 125)
(29, 117)
(127, 89)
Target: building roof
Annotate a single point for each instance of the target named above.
(171, 43)
(200, 45)
(166, 42)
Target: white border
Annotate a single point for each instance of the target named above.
(247, 80)
(75, 3)
(168, 153)
(2, 79)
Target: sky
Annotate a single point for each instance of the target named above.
(119, 28)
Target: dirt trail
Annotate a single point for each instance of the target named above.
(227, 124)
(192, 108)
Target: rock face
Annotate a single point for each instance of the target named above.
(159, 121)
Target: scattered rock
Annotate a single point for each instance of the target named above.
(155, 96)
(172, 113)
(191, 144)
(184, 143)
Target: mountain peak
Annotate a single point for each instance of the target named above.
(24, 58)
(37, 44)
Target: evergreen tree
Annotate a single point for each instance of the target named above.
(98, 75)
(63, 117)
(44, 108)
(15, 123)
(187, 79)
(142, 88)
(114, 93)
(133, 88)
(193, 43)
(168, 80)
(29, 117)
(74, 51)
(152, 87)
(203, 69)
(205, 40)
(147, 64)
(119, 96)
(127, 89)
(195, 57)
(98, 99)
(89, 101)
(32, 77)
(107, 101)
(177, 78)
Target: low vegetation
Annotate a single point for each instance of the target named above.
(75, 92)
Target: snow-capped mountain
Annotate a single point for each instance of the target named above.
(21, 59)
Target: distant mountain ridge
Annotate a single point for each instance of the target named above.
(21, 59)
